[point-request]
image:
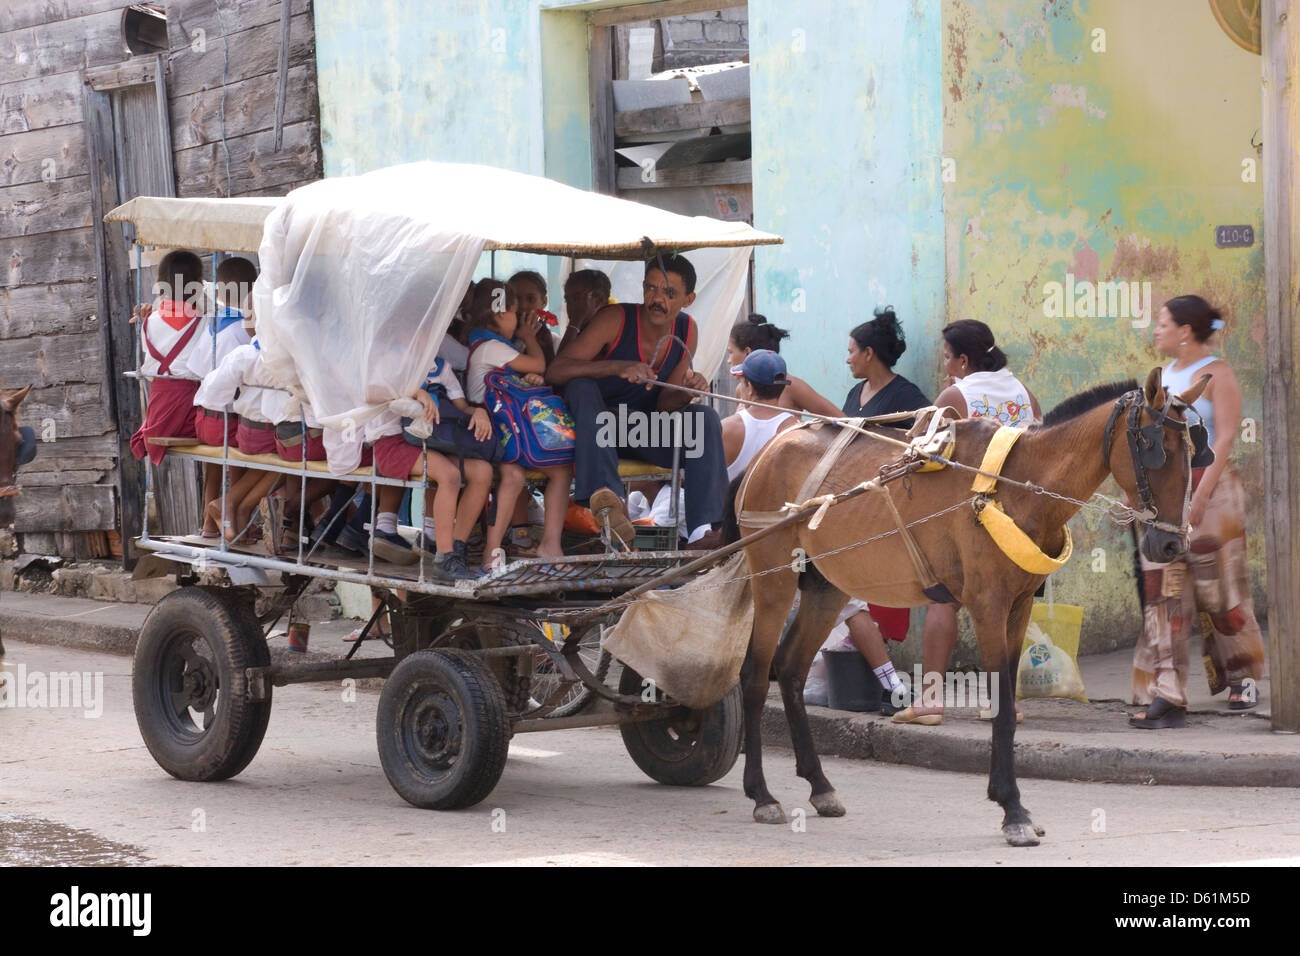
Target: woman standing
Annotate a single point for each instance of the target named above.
(978, 385)
(1218, 583)
(755, 333)
(874, 349)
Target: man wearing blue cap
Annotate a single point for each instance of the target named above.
(763, 379)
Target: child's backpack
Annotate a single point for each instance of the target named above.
(535, 428)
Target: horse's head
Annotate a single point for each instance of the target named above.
(10, 439)
(1151, 450)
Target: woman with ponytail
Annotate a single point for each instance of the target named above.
(1218, 584)
(755, 333)
(978, 383)
(874, 348)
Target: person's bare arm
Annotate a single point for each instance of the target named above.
(733, 437)
(1224, 391)
(579, 358)
(671, 399)
(534, 358)
(952, 396)
(808, 399)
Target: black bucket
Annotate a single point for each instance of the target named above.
(850, 683)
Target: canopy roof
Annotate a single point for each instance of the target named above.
(507, 210)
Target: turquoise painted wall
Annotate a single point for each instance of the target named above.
(847, 131)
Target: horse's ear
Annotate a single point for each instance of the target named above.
(1193, 393)
(14, 398)
(1155, 393)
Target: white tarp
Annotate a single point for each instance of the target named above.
(362, 275)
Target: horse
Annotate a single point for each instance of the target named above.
(10, 439)
(1070, 453)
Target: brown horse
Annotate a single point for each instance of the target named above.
(1071, 452)
(10, 439)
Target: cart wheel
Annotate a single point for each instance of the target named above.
(546, 678)
(692, 750)
(442, 729)
(190, 689)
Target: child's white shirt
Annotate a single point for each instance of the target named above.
(203, 358)
(444, 377)
(242, 384)
(157, 332)
(486, 357)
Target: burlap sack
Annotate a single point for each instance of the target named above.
(690, 641)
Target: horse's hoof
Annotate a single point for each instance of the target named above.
(769, 813)
(1021, 834)
(827, 804)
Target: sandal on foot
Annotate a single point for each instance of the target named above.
(606, 505)
(1161, 715)
(909, 716)
(1237, 698)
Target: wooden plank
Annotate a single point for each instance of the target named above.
(668, 119)
(42, 155)
(40, 103)
(655, 11)
(193, 23)
(66, 476)
(114, 305)
(254, 162)
(26, 13)
(252, 53)
(137, 71)
(600, 86)
(49, 308)
(53, 257)
(250, 105)
(48, 360)
(71, 409)
(164, 128)
(282, 74)
(90, 452)
(706, 174)
(63, 46)
(1281, 54)
(35, 208)
(66, 508)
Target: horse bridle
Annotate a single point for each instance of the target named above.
(1146, 447)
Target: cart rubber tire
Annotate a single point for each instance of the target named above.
(442, 729)
(685, 756)
(169, 678)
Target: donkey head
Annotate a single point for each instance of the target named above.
(10, 439)
(1150, 452)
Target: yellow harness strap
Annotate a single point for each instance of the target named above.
(1015, 544)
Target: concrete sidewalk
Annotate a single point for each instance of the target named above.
(1060, 739)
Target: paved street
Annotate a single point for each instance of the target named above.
(77, 789)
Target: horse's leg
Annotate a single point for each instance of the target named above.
(993, 632)
(773, 595)
(818, 606)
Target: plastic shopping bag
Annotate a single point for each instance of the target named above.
(1049, 656)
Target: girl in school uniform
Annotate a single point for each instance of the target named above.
(169, 331)
(242, 383)
(449, 512)
(495, 322)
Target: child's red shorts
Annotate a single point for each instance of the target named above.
(210, 427)
(255, 438)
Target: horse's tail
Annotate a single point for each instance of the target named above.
(730, 526)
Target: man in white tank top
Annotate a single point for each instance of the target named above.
(763, 378)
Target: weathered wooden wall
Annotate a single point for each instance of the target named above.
(50, 332)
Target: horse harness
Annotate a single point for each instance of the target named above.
(1146, 446)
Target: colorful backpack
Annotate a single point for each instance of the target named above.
(535, 428)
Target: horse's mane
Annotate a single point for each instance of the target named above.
(1086, 401)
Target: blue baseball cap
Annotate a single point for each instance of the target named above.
(763, 367)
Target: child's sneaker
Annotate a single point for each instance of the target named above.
(427, 545)
(393, 548)
(351, 540)
(451, 567)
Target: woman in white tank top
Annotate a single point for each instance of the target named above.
(978, 383)
(1216, 560)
